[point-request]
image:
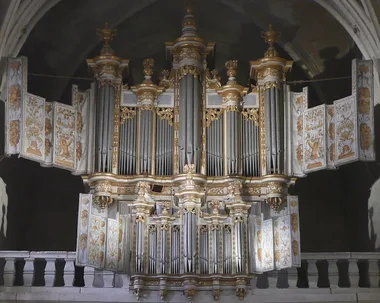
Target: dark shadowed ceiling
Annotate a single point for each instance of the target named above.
(63, 39)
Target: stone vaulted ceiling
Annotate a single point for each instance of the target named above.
(65, 36)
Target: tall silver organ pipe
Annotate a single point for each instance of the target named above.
(214, 142)
(145, 148)
(190, 115)
(232, 94)
(270, 72)
(147, 93)
(127, 146)
(164, 142)
(274, 125)
(239, 244)
(250, 142)
(108, 73)
(190, 240)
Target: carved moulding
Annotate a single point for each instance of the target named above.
(276, 190)
(103, 194)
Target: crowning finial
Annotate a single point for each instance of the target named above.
(148, 65)
(189, 20)
(188, 7)
(270, 37)
(106, 35)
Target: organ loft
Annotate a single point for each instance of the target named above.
(190, 179)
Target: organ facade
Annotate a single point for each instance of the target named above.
(190, 178)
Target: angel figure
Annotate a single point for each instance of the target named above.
(64, 144)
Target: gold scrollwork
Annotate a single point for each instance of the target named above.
(251, 114)
(127, 113)
(146, 107)
(166, 114)
(214, 82)
(213, 114)
(188, 70)
(231, 108)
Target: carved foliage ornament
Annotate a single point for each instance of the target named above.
(251, 114)
(188, 69)
(166, 114)
(213, 114)
(127, 113)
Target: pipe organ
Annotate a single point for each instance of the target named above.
(189, 177)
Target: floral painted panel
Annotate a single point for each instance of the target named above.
(267, 245)
(258, 244)
(120, 244)
(17, 78)
(363, 90)
(33, 139)
(112, 244)
(330, 137)
(282, 242)
(346, 134)
(64, 136)
(314, 139)
(48, 160)
(293, 208)
(299, 103)
(82, 230)
(97, 242)
(81, 100)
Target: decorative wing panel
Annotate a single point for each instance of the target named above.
(299, 103)
(282, 240)
(64, 136)
(258, 245)
(314, 133)
(346, 135)
(267, 245)
(330, 138)
(82, 230)
(33, 135)
(97, 242)
(112, 245)
(81, 100)
(293, 207)
(49, 120)
(120, 245)
(363, 91)
(17, 75)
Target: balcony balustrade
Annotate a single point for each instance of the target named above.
(323, 277)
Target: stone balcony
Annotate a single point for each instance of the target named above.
(324, 277)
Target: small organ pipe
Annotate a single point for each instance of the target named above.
(182, 122)
(278, 132)
(196, 122)
(190, 118)
(273, 129)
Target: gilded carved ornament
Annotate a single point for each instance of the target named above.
(251, 114)
(214, 81)
(213, 114)
(166, 114)
(127, 113)
(188, 70)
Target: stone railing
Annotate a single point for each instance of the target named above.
(53, 276)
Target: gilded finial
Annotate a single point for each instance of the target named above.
(189, 21)
(271, 36)
(188, 7)
(148, 65)
(106, 34)
(231, 66)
